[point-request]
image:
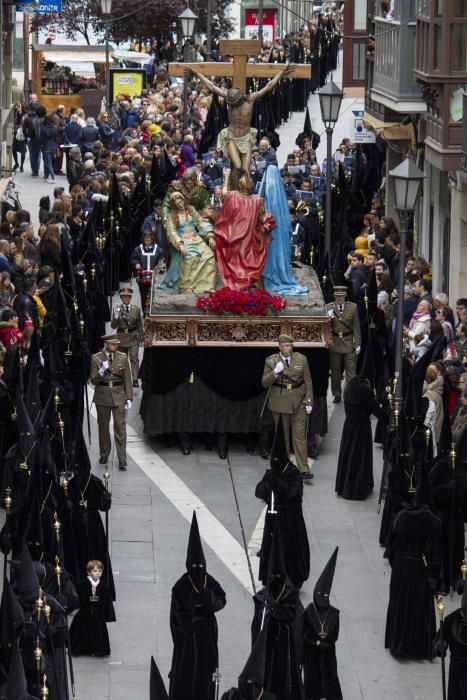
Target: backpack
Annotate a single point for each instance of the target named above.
(36, 128)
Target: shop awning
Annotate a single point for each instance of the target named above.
(133, 56)
(66, 58)
(390, 131)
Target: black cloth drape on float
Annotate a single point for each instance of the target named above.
(216, 390)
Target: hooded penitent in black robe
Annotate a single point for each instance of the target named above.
(88, 630)
(84, 533)
(285, 482)
(196, 597)
(455, 638)
(157, 690)
(449, 507)
(320, 633)
(354, 478)
(279, 605)
(15, 687)
(414, 554)
(51, 630)
(251, 679)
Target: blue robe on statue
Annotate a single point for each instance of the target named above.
(277, 274)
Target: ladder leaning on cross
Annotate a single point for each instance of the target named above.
(239, 69)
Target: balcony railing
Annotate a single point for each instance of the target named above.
(393, 80)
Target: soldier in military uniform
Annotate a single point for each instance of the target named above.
(110, 374)
(128, 322)
(346, 339)
(290, 394)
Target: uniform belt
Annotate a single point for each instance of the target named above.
(127, 330)
(289, 384)
(112, 383)
(340, 334)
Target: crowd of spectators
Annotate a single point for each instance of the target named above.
(126, 140)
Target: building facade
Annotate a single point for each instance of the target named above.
(416, 74)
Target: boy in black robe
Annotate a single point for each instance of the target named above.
(455, 638)
(88, 630)
(320, 633)
(279, 604)
(415, 558)
(282, 489)
(196, 597)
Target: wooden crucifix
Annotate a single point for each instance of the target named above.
(239, 70)
(238, 138)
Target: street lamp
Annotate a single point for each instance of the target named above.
(106, 9)
(406, 179)
(187, 20)
(330, 98)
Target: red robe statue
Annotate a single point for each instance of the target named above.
(242, 233)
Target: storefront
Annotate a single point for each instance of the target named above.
(70, 75)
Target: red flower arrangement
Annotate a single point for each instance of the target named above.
(251, 302)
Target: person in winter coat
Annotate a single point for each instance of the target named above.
(422, 344)
(9, 331)
(19, 139)
(75, 168)
(90, 135)
(420, 323)
(188, 152)
(49, 135)
(106, 133)
(433, 390)
(58, 118)
(460, 421)
(50, 248)
(32, 124)
(73, 131)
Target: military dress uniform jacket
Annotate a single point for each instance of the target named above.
(114, 388)
(290, 389)
(345, 327)
(128, 326)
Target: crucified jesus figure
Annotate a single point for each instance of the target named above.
(238, 138)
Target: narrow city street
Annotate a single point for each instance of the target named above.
(151, 511)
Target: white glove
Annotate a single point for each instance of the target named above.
(308, 409)
(128, 404)
(330, 313)
(279, 367)
(116, 312)
(104, 366)
(357, 350)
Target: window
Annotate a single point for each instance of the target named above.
(438, 8)
(460, 8)
(358, 66)
(459, 47)
(437, 46)
(423, 8)
(456, 102)
(359, 17)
